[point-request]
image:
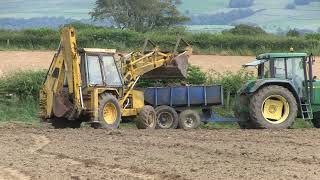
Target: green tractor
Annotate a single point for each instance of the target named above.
(284, 90)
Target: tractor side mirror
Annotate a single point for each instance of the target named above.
(314, 78)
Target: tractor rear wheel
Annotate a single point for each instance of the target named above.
(316, 120)
(189, 119)
(167, 117)
(273, 107)
(147, 118)
(109, 112)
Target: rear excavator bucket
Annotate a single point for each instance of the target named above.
(178, 66)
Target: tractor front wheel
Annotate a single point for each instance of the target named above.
(242, 113)
(273, 107)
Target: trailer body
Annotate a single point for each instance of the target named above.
(182, 98)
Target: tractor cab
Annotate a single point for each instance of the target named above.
(99, 68)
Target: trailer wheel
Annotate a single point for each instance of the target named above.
(109, 112)
(316, 120)
(167, 117)
(189, 119)
(147, 118)
(273, 107)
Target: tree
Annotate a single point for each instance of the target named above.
(139, 15)
(244, 29)
(293, 33)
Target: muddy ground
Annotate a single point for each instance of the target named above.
(44, 153)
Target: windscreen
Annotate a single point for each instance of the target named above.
(94, 70)
(102, 70)
(112, 75)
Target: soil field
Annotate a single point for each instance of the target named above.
(43, 153)
(17, 60)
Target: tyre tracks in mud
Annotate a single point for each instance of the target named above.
(40, 142)
(132, 154)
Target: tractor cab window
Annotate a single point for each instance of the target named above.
(279, 68)
(102, 70)
(295, 71)
(94, 70)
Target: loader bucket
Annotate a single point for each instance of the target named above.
(177, 69)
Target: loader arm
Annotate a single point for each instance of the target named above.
(138, 64)
(61, 93)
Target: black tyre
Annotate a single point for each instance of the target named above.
(242, 113)
(62, 123)
(189, 119)
(316, 120)
(273, 107)
(109, 112)
(167, 117)
(147, 118)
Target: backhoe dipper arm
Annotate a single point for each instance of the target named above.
(63, 73)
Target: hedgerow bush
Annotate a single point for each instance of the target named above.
(127, 40)
(24, 84)
(231, 81)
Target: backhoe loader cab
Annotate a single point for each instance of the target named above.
(284, 89)
(99, 68)
(93, 85)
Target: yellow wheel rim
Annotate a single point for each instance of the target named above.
(275, 109)
(110, 113)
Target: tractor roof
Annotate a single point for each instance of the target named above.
(96, 50)
(281, 55)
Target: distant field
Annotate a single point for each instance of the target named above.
(272, 14)
(203, 6)
(208, 28)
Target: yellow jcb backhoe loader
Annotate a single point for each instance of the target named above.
(91, 85)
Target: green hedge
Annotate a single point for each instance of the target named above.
(126, 40)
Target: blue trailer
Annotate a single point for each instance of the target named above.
(178, 106)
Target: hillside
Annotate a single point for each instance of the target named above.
(272, 15)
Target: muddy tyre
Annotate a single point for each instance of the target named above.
(316, 120)
(109, 112)
(167, 117)
(147, 118)
(241, 112)
(273, 107)
(189, 119)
